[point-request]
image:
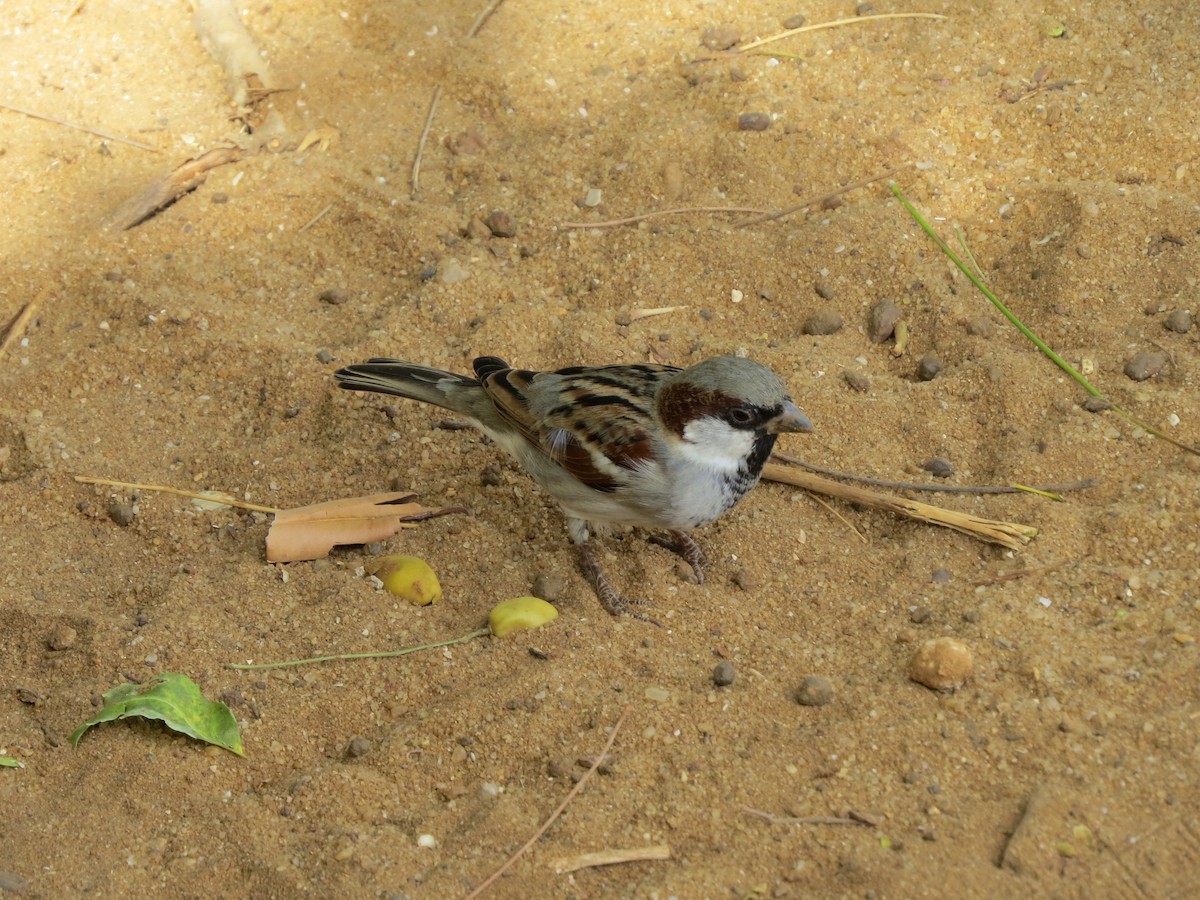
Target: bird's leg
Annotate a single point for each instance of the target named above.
(610, 598)
(684, 546)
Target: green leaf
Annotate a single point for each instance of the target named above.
(177, 701)
(11, 762)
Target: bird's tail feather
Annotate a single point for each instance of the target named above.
(403, 379)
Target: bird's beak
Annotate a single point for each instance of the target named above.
(791, 419)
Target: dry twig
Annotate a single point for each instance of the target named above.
(169, 188)
(611, 857)
(611, 223)
(819, 198)
(107, 135)
(836, 23)
(554, 815)
(416, 168)
(484, 15)
(851, 818)
(16, 328)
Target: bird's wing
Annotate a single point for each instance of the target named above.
(593, 421)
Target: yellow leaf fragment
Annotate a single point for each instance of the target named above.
(519, 614)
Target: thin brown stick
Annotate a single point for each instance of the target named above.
(314, 220)
(852, 819)
(164, 489)
(416, 168)
(836, 23)
(679, 211)
(554, 815)
(166, 190)
(612, 857)
(16, 328)
(821, 198)
(1081, 485)
(484, 15)
(97, 132)
(1012, 535)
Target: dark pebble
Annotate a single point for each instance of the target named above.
(856, 380)
(815, 690)
(232, 697)
(63, 637)
(920, 615)
(980, 327)
(882, 323)
(721, 37)
(941, 576)
(357, 747)
(823, 322)
(490, 475)
(929, 367)
(865, 9)
(796, 21)
(122, 514)
(972, 616)
(1179, 321)
(113, 275)
(754, 122)
(548, 586)
(824, 291)
(723, 674)
(1097, 404)
(1145, 364)
(333, 296)
(141, 620)
(220, 197)
(324, 356)
(501, 224)
(939, 467)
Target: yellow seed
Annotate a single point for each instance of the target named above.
(519, 614)
(409, 578)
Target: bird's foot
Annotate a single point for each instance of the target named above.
(610, 598)
(685, 547)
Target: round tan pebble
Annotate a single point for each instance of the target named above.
(943, 664)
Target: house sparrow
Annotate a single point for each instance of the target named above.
(647, 445)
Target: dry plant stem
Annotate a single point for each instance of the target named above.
(809, 820)
(369, 654)
(679, 211)
(611, 857)
(416, 169)
(819, 198)
(107, 135)
(315, 219)
(484, 15)
(836, 23)
(554, 815)
(170, 188)
(1081, 485)
(16, 328)
(221, 31)
(1008, 534)
(164, 489)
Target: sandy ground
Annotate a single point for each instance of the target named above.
(195, 350)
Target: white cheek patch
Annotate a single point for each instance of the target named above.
(715, 443)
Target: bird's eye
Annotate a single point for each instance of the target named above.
(739, 415)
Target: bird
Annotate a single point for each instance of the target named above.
(645, 445)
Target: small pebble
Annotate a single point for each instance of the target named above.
(943, 664)
(428, 841)
(920, 615)
(882, 323)
(865, 9)
(1085, 251)
(357, 747)
(824, 291)
(63, 637)
(972, 616)
(1097, 404)
(122, 513)
(324, 356)
(825, 321)
(753, 122)
(723, 674)
(745, 579)
(334, 296)
(815, 690)
(549, 586)
(929, 367)
(1179, 321)
(720, 37)
(501, 224)
(856, 380)
(491, 475)
(593, 197)
(941, 576)
(657, 694)
(796, 21)
(452, 271)
(477, 229)
(1145, 364)
(980, 327)
(939, 467)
